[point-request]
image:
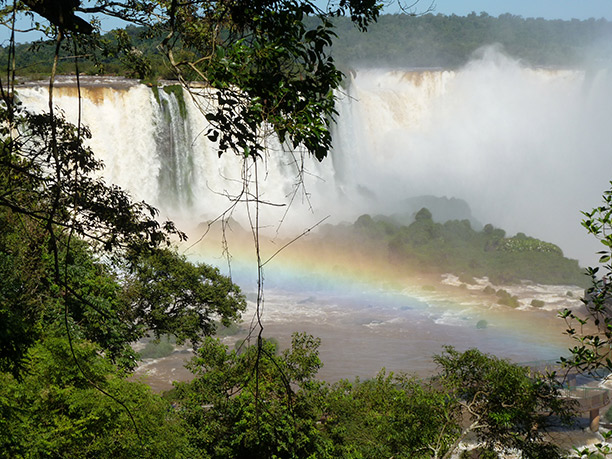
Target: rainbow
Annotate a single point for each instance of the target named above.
(370, 315)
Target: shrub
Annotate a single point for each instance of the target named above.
(502, 293)
(506, 299)
(489, 290)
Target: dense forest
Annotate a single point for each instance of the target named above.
(85, 271)
(398, 40)
(430, 40)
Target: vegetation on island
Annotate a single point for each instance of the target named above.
(426, 246)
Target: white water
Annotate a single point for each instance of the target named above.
(527, 149)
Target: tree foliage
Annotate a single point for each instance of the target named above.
(76, 250)
(506, 407)
(170, 295)
(400, 40)
(271, 70)
(454, 246)
(390, 416)
(592, 327)
(449, 41)
(260, 68)
(55, 411)
(87, 271)
(282, 411)
(254, 402)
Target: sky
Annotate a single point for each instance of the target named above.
(548, 9)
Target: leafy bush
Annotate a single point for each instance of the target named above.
(57, 411)
(506, 299)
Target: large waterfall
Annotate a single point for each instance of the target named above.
(528, 149)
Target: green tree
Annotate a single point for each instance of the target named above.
(592, 330)
(56, 215)
(257, 402)
(254, 402)
(262, 68)
(267, 67)
(389, 416)
(504, 406)
(97, 268)
(86, 272)
(423, 215)
(56, 410)
(169, 295)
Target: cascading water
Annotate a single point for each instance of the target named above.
(153, 143)
(527, 149)
(122, 118)
(173, 140)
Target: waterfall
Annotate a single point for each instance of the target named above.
(122, 120)
(153, 143)
(526, 148)
(173, 146)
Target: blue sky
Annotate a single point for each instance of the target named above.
(549, 9)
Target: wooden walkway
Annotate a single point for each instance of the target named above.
(589, 396)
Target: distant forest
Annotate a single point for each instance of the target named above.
(450, 41)
(399, 40)
(427, 246)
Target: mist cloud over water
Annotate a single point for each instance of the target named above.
(528, 149)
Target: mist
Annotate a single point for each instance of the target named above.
(528, 149)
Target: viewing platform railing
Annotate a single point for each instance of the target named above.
(589, 398)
